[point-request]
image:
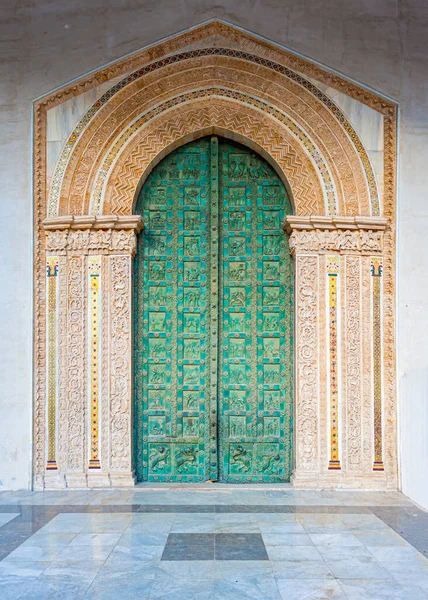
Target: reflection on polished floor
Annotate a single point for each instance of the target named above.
(212, 542)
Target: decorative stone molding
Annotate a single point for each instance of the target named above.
(88, 222)
(93, 234)
(300, 223)
(344, 242)
(307, 414)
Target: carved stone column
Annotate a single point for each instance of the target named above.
(338, 392)
(89, 389)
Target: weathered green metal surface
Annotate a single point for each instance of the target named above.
(213, 319)
(255, 385)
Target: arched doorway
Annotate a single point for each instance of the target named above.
(213, 319)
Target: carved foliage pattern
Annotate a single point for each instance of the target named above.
(62, 363)
(353, 365)
(307, 358)
(120, 363)
(76, 403)
(330, 241)
(88, 240)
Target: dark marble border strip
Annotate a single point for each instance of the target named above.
(408, 521)
(16, 531)
(186, 508)
(411, 523)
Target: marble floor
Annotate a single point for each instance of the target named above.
(212, 542)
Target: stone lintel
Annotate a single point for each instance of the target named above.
(300, 223)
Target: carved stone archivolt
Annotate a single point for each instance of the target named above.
(215, 79)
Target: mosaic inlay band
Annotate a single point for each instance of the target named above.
(328, 103)
(94, 270)
(376, 271)
(333, 274)
(314, 153)
(52, 301)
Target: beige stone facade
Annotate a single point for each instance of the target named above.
(215, 79)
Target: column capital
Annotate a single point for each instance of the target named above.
(343, 235)
(107, 234)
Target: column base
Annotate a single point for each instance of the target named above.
(123, 479)
(337, 480)
(53, 480)
(99, 480)
(77, 480)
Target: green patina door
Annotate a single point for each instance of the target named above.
(213, 319)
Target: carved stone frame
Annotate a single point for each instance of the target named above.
(357, 252)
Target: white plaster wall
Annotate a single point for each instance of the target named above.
(45, 43)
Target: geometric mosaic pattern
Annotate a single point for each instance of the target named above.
(376, 272)
(52, 265)
(333, 277)
(94, 269)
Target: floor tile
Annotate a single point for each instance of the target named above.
(387, 538)
(358, 568)
(190, 539)
(6, 517)
(56, 587)
(117, 565)
(335, 540)
(123, 587)
(247, 588)
(411, 571)
(242, 569)
(133, 538)
(361, 589)
(287, 539)
(23, 568)
(169, 587)
(281, 528)
(96, 539)
(52, 540)
(85, 552)
(35, 553)
(201, 552)
(194, 523)
(136, 552)
(223, 542)
(115, 523)
(310, 589)
(12, 587)
(296, 553)
(247, 553)
(201, 570)
(305, 569)
(239, 539)
(404, 554)
(239, 523)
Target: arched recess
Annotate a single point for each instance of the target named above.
(215, 79)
